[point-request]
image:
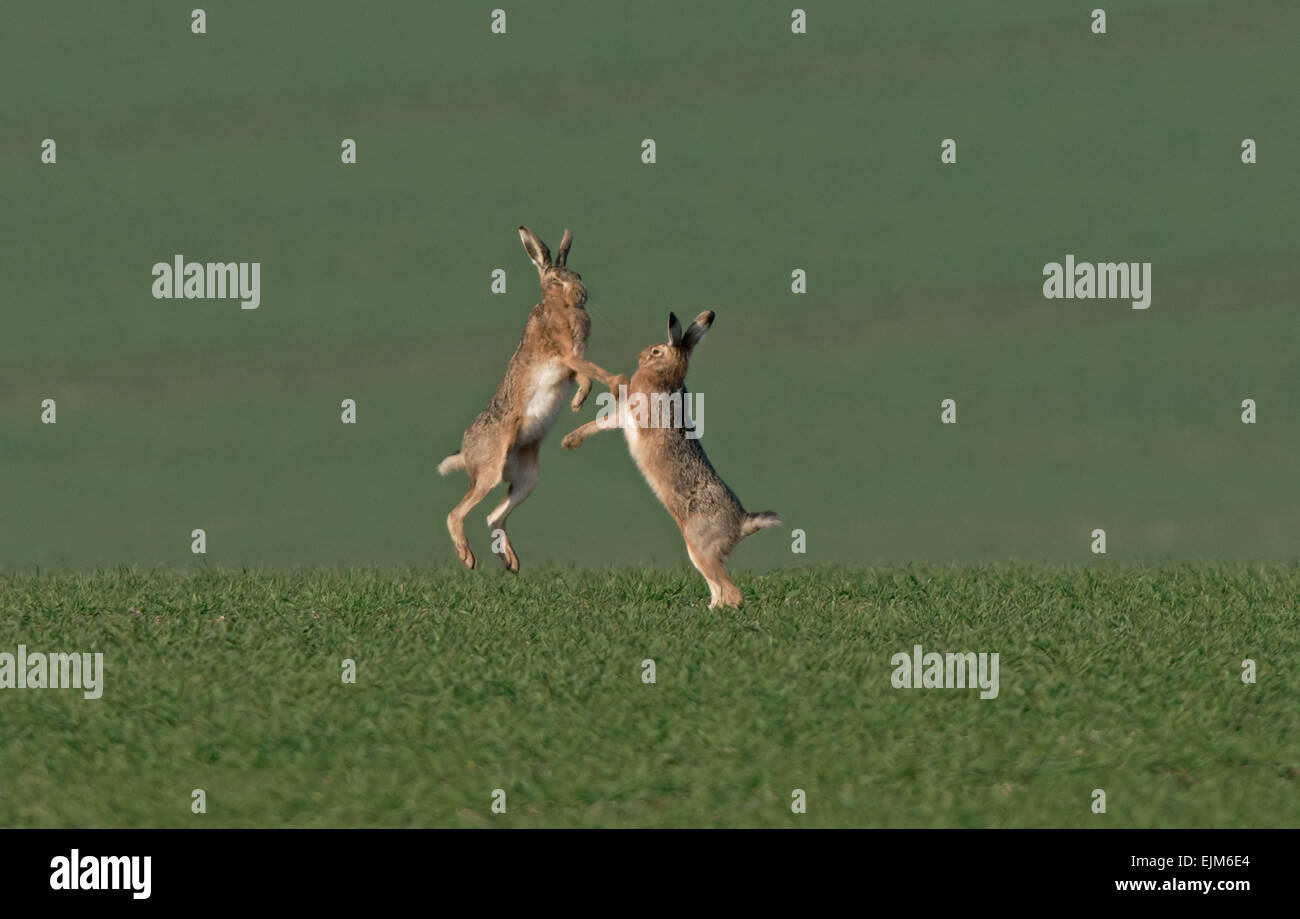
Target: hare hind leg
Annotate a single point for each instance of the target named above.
(485, 462)
(722, 592)
(478, 490)
(521, 471)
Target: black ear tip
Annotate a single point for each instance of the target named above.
(672, 319)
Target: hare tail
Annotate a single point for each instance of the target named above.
(451, 464)
(759, 521)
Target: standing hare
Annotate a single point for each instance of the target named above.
(708, 513)
(502, 443)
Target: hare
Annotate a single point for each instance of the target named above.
(708, 513)
(502, 443)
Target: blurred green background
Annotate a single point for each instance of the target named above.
(775, 152)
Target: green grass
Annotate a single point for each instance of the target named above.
(1120, 678)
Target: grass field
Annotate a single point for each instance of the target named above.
(775, 152)
(1120, 678)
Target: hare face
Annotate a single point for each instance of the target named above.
(562, 287)
(664, 364)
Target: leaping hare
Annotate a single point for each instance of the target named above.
(502, 443)
(708, 513)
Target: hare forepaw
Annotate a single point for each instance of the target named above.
(584, 388)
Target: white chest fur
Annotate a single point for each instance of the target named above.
(638, 445)
(550, 385)
(633, 434)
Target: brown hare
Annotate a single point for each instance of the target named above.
(670, 457)
(502, 443)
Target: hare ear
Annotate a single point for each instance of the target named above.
(565, 243)
(536, 249)
(674, 330)
(697, 329)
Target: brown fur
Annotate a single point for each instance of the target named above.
(708, 513)
(503, 442)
